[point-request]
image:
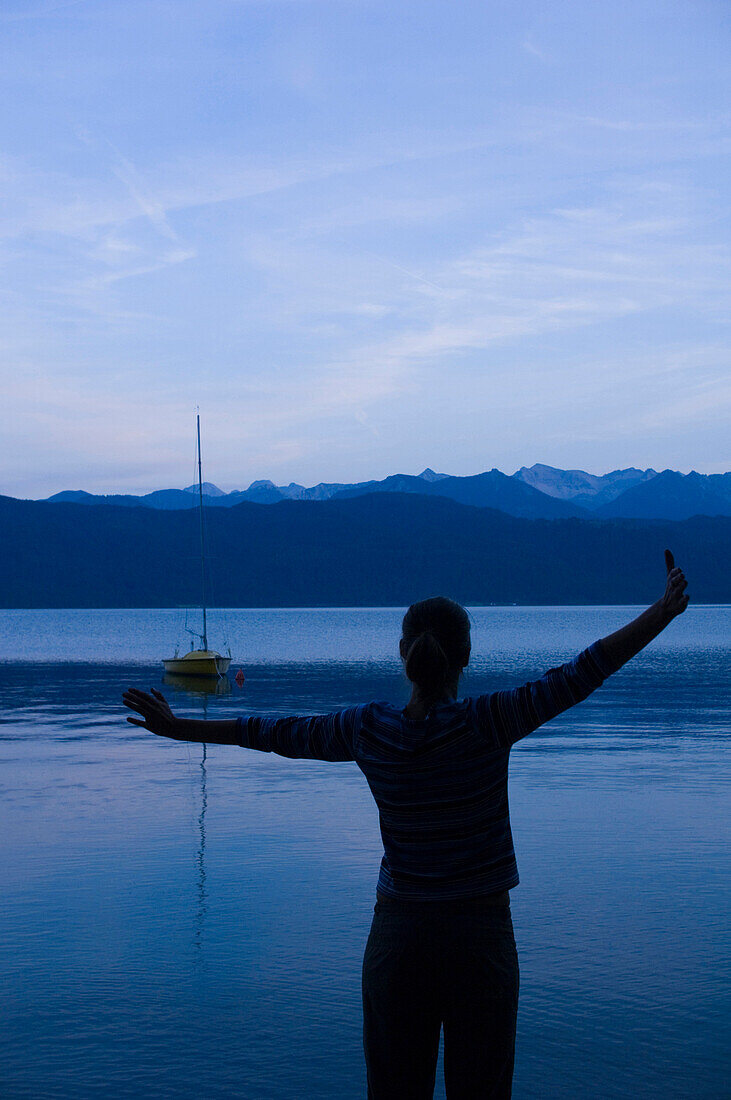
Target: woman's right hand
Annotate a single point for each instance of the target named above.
(674, 602)
(157, 716)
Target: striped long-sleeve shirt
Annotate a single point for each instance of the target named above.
(440, 783)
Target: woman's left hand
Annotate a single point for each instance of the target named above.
(156, 714)
(674, 601)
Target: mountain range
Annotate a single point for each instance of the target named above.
(535, 492)
(370, 549)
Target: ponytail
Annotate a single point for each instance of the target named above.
(427, 664)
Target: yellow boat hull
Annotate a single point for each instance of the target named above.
(199, 662)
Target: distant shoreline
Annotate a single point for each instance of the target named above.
(365, 607)
(375, 550)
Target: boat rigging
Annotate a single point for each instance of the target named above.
(204, 661)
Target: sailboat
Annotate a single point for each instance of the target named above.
(204, 661)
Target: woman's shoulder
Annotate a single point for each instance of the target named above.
(398, 711)
(385, 705)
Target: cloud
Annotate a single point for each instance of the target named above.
(342, 286)
(568, 269)
(69, 205)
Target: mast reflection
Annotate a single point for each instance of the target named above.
(202, 906)
(203, 687)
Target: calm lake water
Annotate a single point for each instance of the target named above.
(185, 925)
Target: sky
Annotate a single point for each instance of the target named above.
(362, 237)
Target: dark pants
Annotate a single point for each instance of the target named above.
(432, 964)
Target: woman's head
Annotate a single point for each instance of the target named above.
(435, 644)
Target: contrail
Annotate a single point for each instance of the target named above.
(127, 174)
(404, 270)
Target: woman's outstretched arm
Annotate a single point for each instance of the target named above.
(624, 643)
(505, 717)
(158, 718)
(314, 737)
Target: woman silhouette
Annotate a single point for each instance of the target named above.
(441, 950)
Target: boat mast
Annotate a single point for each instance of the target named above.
(203, 564)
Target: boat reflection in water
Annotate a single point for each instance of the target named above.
(198, 685)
